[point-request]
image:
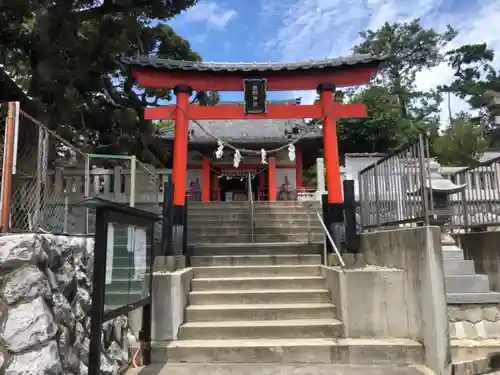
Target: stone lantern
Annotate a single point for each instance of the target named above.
(440, 190)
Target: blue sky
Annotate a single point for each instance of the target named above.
(291, 30)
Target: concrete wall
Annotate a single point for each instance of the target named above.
(370, 301)
(484, 249)
(417, 252)
(170, 296)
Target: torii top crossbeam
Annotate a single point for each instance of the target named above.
(322, 75)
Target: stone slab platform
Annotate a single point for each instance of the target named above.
(274, 369)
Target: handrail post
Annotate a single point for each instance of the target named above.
(422, 172)
(250, 199)
(8, 165)
(86, 188)
(133, 176)
(330, 240)
(166, 236)
(351, 234)
(185, 250)
(377, 195)
(360, 199)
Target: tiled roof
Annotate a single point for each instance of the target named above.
(244, 131)
(173, 65)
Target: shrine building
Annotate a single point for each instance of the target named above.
(212, 179)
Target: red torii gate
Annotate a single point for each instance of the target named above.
(187, 76)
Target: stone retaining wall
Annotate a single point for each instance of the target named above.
(474, 322)
(45, 300)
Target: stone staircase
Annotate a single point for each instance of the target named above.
(463, 285)
(231, 222)
(269, 307)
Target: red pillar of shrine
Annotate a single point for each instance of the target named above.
(205, 179)
(330, 144)
(181, 124)
(271, 179)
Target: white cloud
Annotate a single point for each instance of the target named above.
(314, 29)
(210, 13)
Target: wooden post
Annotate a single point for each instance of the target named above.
(271, 179)
(8, 159)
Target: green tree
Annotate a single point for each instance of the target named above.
(66, 55)
(409, 49)
(478, 83)
(380, 130)
(397, 109)
(462, 143)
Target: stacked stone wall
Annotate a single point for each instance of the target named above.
(45, 300)
(474, 322)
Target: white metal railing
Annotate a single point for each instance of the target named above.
(329, 237)
(250, 199)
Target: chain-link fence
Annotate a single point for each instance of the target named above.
(49, 177)
(44, 179)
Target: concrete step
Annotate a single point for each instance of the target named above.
(273, 311)
(195, 238)
(261, 329)
(254, 260)
(256, 271)
(218, 215)
(288, 229)
(257, 209)
(313, 236)
(467, 284)
(247, 238)
(458, 267)
(286, 221)
(249, 283)
(201, 231)
(235, 204)
(284, 215)
(195, 224)
(176, 368)
(266, 296)
(234, 235)
(318, 350)
(268, 248)
(472, 298)
(452, 252)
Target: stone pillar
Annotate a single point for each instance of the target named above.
(320, 178)
(320, 174)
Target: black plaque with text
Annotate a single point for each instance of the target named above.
(255, 96)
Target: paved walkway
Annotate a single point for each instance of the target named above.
(273, 369)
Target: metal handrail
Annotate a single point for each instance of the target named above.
(250, 199)
(325, 254)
